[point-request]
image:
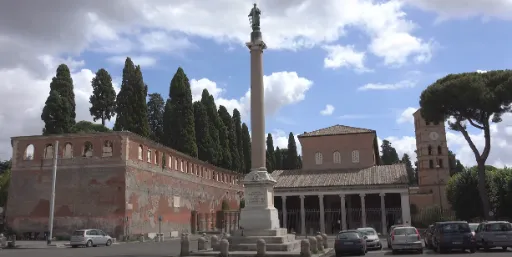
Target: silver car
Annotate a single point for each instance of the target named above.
(90, 237)
(372, 238)
(406, 239)
(492, 234)
(389, 234)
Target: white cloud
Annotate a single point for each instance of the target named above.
(281, 89)
(344, 56)
(329, 109)
(402, 145)
(481, 71)
(142, 60)
(407, 116)
(466, 8)
(161, 41)
(379, 86)
(280, 139)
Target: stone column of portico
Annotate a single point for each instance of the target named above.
(406, 208)
(383, 214)
(363, 210)
(285, 212)
(302, 216)
(322, 215)
(343, 213)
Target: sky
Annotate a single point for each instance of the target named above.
(360, 63)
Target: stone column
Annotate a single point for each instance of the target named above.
(406, 209)
(343, 213)
(350, 215)
(285, 212)
(322, 214)
(363, 210)
(383, 213)
(302, 216)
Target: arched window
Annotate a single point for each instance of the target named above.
(29, 153)
(336, 157)
(156, 157)
(87, 150)
(140, 152)
(108, 146)
(319, 158)
(355, 156)
(149, 155)
(439, 150)
(431, 164)
(48, 151)
(68, 151)
(429, 150)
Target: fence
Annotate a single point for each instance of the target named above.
(424, 217)
(220, 221)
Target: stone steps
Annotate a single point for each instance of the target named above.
(280, 247)
(268, 239)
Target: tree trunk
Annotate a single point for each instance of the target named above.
(482, 190)
(102, 121)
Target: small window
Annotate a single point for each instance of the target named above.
(439, 150)
(140, 152)
(149, 156)
(48, 151)
(87, 150)
(355, 156)
(170, 162)
(29, 153)
(318, 158)
(336, 157)
(440, 163)
(107, 148)
(429, 150)
(431, 164)
(68, 151)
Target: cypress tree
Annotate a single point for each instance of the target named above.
(156, 107)
(226, 162)
(299, 162)
(278, 157)
(292, 158)
(246, 146)
(227, 120)
(203, 139)
(389, 155)
(214, 124)
(103, 98)
(271, 162)
(181, 117)
(237, 122)
(62, 85)
(131, 107)
(166, 139)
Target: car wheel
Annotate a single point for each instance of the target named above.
(363, 253)
(472, 250)
(439, 249)
(420, 251)
(394, 252)
(88, 244)
(504, 248)
(109, 242)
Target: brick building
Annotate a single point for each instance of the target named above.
(118, 181)
(341, 184)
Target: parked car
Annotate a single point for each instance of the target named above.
(372, 238)
(494, 234)
(427, 238)
(90, 237)
(450, 235)
(350, 241)
(473, 227)
(406, 239)
(389, 234)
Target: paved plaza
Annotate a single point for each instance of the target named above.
(172, 248)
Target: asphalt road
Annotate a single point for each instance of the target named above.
(172, 248)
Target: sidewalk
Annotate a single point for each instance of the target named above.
(39, 244)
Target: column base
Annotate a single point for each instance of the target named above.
(259, 219)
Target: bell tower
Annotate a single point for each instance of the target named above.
(433, 163)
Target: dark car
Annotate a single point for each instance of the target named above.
(350, 241)
(428, 236)
(449, 235)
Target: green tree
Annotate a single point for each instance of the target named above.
(5, 179)
(88, 127)
(278, 157)
(214, 124)
(181, 133)
(131, 106)
(156, 108)
(454, 164)
(246, 146)
(292, 157)
(473, 98)
(226, 161)
(56, 113)
(389, 155)
(271, 161)
(410, 170)
(237, 123)
(299, 162)
(204, 141)
(227, 120)
(103, 98)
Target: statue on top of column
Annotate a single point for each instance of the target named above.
(254, 18)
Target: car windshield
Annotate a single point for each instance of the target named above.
(367, 232)
(455, 228)
(348, 235)
(78, 233)
(404, 231)
(495, 227)
(473, 227)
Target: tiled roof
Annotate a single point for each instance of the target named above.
(336, 130)
(377, 175)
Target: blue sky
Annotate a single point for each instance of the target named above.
(367, 60)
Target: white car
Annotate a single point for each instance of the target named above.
(90, 237)
(372, 238)
(406, 239)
